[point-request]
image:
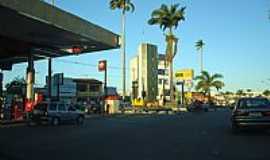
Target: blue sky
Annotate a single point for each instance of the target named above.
(236, 33)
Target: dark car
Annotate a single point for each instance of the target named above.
(251, 112)
(56, 113)
(198, 106)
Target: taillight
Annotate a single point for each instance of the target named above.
(266, 113)
(240, 113)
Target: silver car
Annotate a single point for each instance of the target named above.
(251, 112)
(56, 113)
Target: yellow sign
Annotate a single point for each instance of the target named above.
(184, 75)
(138, 102)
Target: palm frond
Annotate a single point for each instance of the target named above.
(169, 17)
(217, 84)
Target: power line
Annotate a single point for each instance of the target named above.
(87, 64)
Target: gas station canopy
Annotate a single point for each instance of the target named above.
(42, 30)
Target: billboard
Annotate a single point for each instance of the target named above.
(184, 75)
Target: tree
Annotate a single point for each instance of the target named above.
(266, 93)
(199, 46)
(16, 86)
(168, 18)
(240, 92)
(206, 82)
(124, 6)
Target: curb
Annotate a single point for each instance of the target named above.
(12, 122)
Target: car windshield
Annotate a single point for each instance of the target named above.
(254, 103)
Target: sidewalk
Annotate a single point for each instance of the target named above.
(3, 122)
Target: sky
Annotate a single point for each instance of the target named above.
(236, 33)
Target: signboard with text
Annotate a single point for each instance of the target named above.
(184, 75)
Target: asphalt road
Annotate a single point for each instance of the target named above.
(190, 136)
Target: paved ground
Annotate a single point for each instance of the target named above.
(205, 136)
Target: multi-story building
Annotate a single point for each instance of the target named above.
(79, 90)
(143, 72)
(163, 78)
(88, 90)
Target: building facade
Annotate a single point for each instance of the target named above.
(163, 78)
(77, 90)
(144, 72)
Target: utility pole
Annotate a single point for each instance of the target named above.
(123, 56)
(1, 83)
(50, 79)
(50, 74)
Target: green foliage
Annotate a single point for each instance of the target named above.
(124, 5)
(266, 93)
(16, 86)
(207, 81)
(167, 17)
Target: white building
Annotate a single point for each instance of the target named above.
(143, 72)
(163, 78)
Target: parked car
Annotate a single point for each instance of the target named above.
(251, 112)
(198, 106)
(56, 113)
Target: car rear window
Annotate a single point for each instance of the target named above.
(254, 103)
(52, 107)
(62, 107)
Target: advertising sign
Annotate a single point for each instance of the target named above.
(184, 75)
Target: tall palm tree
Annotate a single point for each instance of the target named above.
(168, 18)
(206, 82)
(124, 6)
(199, 46)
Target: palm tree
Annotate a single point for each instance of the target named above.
(199, 46)
(124, 6)
(206, 82)
(168, 18)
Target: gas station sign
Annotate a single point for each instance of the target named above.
(102, 65)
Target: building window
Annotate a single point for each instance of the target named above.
(94, 88)
(82, 87)
(166, 82)
(160, 81)
(161, 71)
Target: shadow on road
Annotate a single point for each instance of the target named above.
(251, 132)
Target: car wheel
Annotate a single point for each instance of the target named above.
(55, 121)
(80, 120)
